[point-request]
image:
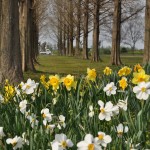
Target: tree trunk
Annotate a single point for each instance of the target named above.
(77, 50)
(64, 40)
(30, 35)
(27, 34)
(10, 43)
(70, 28)
(146, 58)
(115, 52)
(95, 50)
(85, 30)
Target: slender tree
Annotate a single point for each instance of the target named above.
(116, 34)
(95, 52)
(85, 28)
(146, 58)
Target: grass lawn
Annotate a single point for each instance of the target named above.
(75, 66)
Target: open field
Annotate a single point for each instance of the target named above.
(75, 66)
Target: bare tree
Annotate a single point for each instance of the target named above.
(132, 32)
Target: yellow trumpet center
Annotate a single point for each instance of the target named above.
(101, 136)
(102, 110)
(64, 144)
(143, 89)
(91, 147)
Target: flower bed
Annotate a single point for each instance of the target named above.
(111, 111)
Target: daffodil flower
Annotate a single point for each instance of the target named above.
(22, 106)
(89, 143)
(121, 129)
(110, 89)
(103, 139)
(142, 90)
(1, 133)
(16, 142)
(61, 142)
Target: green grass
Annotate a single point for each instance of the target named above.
(70, 65)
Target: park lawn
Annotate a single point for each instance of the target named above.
(76, 66)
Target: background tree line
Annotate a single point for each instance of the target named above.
(119, 20)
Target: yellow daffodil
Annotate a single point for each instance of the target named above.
(137, 68)
(124, 71)
(91, 74)
(9, 91)
(54, 82)
(107, 71)
(69, 82)
(43, 81)
(123, 83)
(140, 77)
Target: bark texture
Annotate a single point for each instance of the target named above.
(95, 52)
(116, 34)
(85, 29)
(146, 58)
(10, 58)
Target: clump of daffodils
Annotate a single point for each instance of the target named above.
(69, 82)
(124, 71)
(107, 71)
(139, 77)
(9, 92)
(91, 74)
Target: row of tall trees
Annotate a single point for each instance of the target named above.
(74, 19)
(19, 28)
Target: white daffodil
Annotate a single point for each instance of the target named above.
(115, 110)
(1, 133)
(46, 115)
(110, 89)
(108, 111)
(33, 121)
(29, 86)
(105, 112)
(103, 139)
(132, 145)
(16, 142)
(89, 143)
(91, 113)
(22, 106)
(123, 104)
(142, 90)
(121, 129)
(25, 141)
(17, 91)
(1, 99)
(61, 142)
(61, 121)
